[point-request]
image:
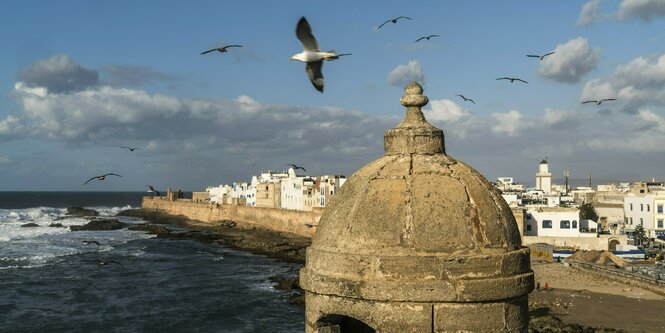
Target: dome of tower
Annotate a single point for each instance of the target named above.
(416, 225)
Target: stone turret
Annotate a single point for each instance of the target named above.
(416, 242)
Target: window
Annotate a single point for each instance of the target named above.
(631, 220)
(564, 224)
(631, 206)
(528, 216)
(547, 224)
(660, 223)
(641, 221)
(574, 224)
(641, 207)
(660, 209)
(648, 207)
(528, 227)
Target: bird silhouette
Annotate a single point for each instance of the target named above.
(152, 189)
(466, 99)
(311, 54)
(130, 148)
(394, 21)
(426, 37)
(599, 101)
(295, 167)
(88, 242)
(540, 57)
(220, 49)
(512, 79)
(102, 177)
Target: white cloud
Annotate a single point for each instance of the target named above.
(645, 10)
(59, 74)
(509, 123)
(405, 74)
(231, 138)
(653, 119)
(639, 83)
(10, 125)
(589, 13)
(111, 116)
(562, 119)
(570, 61)
(445, 110)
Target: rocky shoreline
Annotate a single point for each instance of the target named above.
(282, 246)
(289, 247)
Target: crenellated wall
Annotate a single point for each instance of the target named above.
(280, 220)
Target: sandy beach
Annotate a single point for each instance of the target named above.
(586, 299)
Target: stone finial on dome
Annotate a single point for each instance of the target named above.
(414, 135)
(413, 96)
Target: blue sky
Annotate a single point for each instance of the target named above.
(79, 79)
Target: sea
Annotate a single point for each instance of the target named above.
(53, 281)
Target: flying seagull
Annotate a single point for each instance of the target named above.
(104, 263)
(295, 167)
(426, 37)
(88, 242)
(466, 99)
(540, 57)
(220, 49)
(512, 79)
(152, 189)
(394, 20)
(311, 55)
(600, 101)
(102, 177)
(130, 148)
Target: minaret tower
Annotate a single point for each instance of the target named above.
(544, 177)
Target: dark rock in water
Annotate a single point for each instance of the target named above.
(80, 211)
(297, 299)
(29, 225)
(151, 229)
(99, 225)
(56, 225)
(285, 282)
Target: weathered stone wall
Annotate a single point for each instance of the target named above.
(280, 220)
(600, 243)
(635, 279)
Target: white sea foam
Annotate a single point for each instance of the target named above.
(36, 246)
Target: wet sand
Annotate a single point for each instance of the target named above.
(577, 297)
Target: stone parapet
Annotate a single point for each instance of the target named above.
(280, 220)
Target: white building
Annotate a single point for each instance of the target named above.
(512, 199)
(328, 185)
(646, 210)
(558, 222)
(507, 184)
(244, 193)
(298, 192)
(220, 194)
(544, 177)
(659, 214)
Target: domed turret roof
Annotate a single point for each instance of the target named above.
(417, 199)
(417, 225)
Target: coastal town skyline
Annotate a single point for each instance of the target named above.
(79, 81)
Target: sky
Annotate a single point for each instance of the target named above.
(80, 79)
